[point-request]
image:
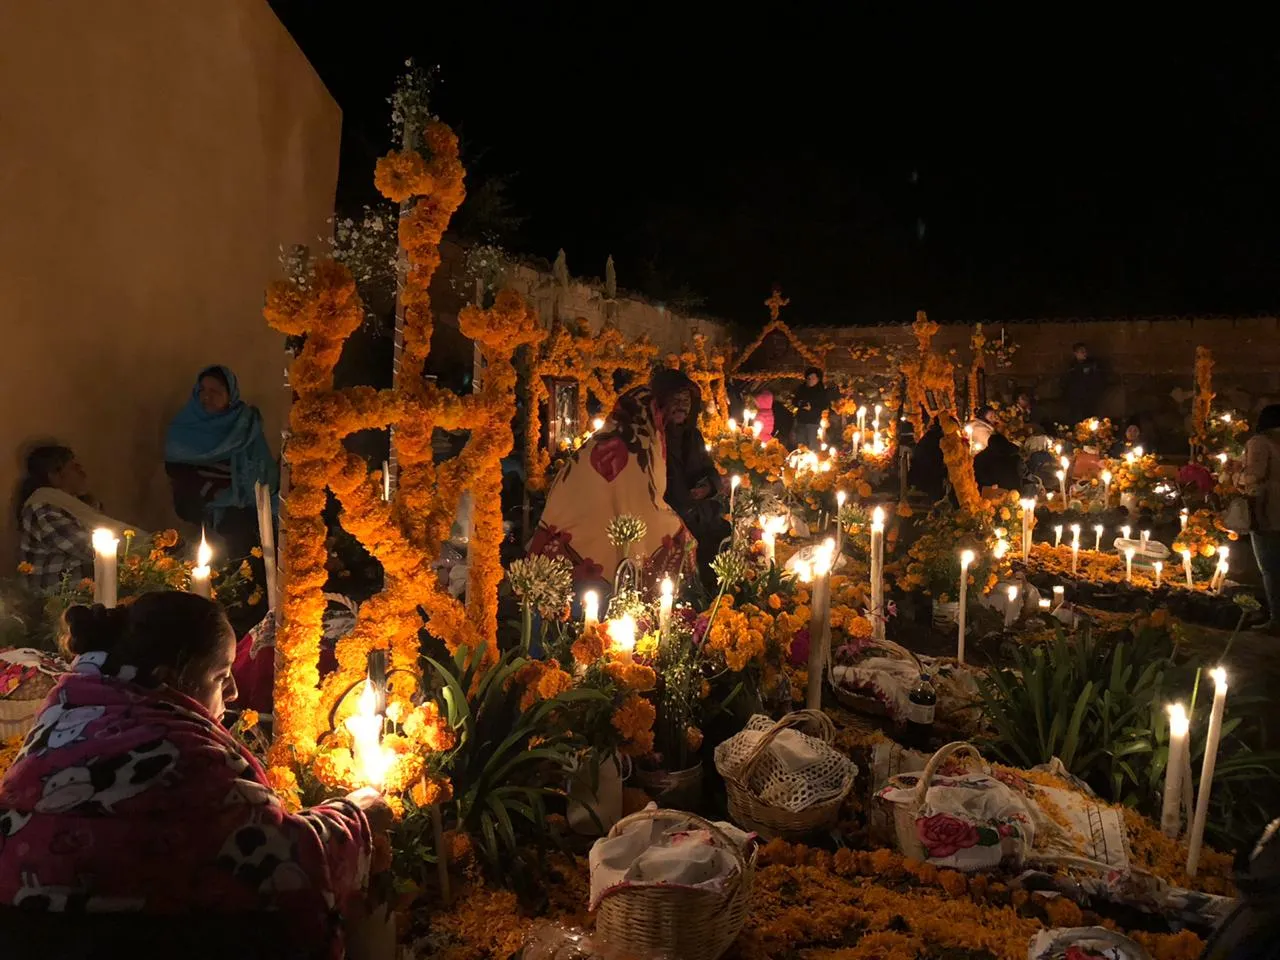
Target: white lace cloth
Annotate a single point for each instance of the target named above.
(796, 772)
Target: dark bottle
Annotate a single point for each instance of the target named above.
(921, 704)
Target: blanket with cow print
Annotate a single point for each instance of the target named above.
(128, 798)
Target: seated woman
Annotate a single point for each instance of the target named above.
(1132, 441)
(215, 451)
(649, 461)
(128, 796)
(58, 516)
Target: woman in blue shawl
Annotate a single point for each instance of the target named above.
(215, 451)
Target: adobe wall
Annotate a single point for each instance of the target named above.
(156, 156)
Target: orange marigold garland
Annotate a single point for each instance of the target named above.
(1202, 401)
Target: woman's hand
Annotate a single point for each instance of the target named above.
(375, 808)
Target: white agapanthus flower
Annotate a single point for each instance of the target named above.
(545, 583)
(624, 530)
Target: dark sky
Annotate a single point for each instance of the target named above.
(980, 170)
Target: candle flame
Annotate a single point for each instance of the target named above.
(733, 425)
(370, 758)
(841, 497)
(1013, 594)
(1222, 458)
(668, 588)
(105, 542)
(1066, 462)
(1029, 504)
(1137, 451)
(597, 423)
(1106, 477)
(966, 557)
(1097, 528)
(877, 517)
(205, 553)
(735, 481)
(1129, 552)
(1219, 677)
(622, 632)
(1179, 722)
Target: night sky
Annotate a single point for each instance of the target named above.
(979, 170)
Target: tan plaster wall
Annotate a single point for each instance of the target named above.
(154, 155)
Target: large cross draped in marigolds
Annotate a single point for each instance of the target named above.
(775, 303)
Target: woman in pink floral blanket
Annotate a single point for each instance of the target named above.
(128, 795)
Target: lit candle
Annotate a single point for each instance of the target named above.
(746, 416)
(1045, 605)
(267, 537)
(1093, 425)
(1171, 809)
(1059, 596)
(1137, 451)
(1206, 771)
(875, 424)
(1128, 564)
(1062, 483)
(757, 428)
(1222, 574)
(1146, 535)
(877, 572)
(841, 497)
(1075, 546)
(1186, 565)
(966, 558)
(386, 480)
(105, 558)
(862, 418)
(369, 758)
(590, 608)
(734, 482)
(1057, 536)
(818, 626)
(1028, 518)
(1065, 463)
(1097, 537)
(201, 574)
(1182, 518)
(597, 424)
(622, 633)
(1222, 468)
(1001, 548)
(1012, 610)
(733, 425)
(1057, 448)
(857, 441)
(1159, 569)
(666, 599)
(1106, 486)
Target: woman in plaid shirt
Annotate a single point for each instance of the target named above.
(58, 517)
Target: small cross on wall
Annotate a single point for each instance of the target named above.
(775, 303)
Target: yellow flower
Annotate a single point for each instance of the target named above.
(130, 534)
(26, 569)
(256, 552)
(249, 719)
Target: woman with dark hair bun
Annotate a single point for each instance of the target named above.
(129, 795)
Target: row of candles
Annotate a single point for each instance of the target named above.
(1177, 779)
(873, 445)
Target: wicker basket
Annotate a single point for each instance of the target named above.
(749, 811)
(678, 921)
(17, 717)
(904, 815)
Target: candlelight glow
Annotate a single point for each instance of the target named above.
(1219, 678)
(1226, 418)
(1066, 463)
(622, 632)
(1013, 594)
(1179, 722)
(733, 425)
(369, 757)
(877, 518)
(205, 553)
(841, 497)
(966, 558)
(1124, 532)
(1137, 451)
(590, 607)
(1222, 459)
(1044, 603)
(597, 423)
(735, 481)
(667, 588)
(1093, 425)
(105, 542)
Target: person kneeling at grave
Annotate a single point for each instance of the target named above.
(130, 803)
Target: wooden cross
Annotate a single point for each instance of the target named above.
(775, 303)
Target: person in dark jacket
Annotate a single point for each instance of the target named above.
(812, 400)
(1083, 385)
(998, 463)
(928, 469)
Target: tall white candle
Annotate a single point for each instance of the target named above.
(1106, 486)
(201, 574)
(876, 423)
(105, 562)
(877, 572)
(386, 480)
(1182, 518)
(1159, 569)
(590, 608)
(1012, 610)
(857, 441)
(267, 537)
(1145, 536)
(1097, 537)
(841, 497)
(1028, 521)
(666, 599)
(1128, 564)
(1065, 463)
(1222, 574)
(1062, 483)
(1211, 741)
(1186, 566)
(862, 419)
(1057, 536)
(1075, 546)
(818, 626)
(966, 558)
(1171, 809)
(734, 482)
(1124, 532)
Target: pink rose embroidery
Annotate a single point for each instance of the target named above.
(609, 457)
(943, 836)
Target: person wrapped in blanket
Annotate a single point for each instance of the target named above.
(648, 461)
(129, 796)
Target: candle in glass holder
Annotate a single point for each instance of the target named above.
(1211, 740)
(1059, 596)
(1075, 547)
(1045, 605)
(1128, 564)
(1057, 536)
(1171, 810)
(1097, 537)
(590, 608)
(1186, 565)
(966, 558)
(201, 573)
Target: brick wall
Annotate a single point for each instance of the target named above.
(1150, 362)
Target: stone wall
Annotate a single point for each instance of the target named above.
(156, 156)
(1150, 362)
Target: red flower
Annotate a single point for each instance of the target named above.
(609, 457)
(943, 835)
